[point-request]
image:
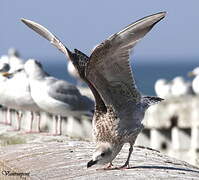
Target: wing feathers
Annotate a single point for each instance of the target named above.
(58, 44)
(41, 30)
(109, 67)
(145, 23)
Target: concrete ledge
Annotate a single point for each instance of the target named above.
(67, 160)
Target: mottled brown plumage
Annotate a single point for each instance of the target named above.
(120, 107)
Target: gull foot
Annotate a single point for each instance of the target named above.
(109, 167)
(5, 123)
(52, 134)
(31, 132)
(13, 130)
(125, 166)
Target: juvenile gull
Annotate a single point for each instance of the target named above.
(56, 96)
(119, 107)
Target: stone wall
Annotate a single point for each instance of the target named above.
(171, 127)
(67, 160)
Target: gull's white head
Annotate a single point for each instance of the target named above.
(195, 72)
(180, 86)
(162, 88)
(13, 52)
(161, 82)
(178, 80)
(33, 68)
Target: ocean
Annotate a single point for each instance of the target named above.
(145, 72)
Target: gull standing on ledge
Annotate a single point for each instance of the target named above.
(9, 63)
(17, 96)
(56, 96)
(120, 107)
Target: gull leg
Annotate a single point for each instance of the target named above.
(19, 117)
(8, 118)
(109, 167)
(55, 121)
(55, 129)
(39, 122)
(126, 164)
(56, 124)
(60, 125)
(6, 115)
(31, 123)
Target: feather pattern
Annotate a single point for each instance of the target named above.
(109, 67)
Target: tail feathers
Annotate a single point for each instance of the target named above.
(151, 100)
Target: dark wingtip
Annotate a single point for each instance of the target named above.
(160, 99)
(24, 20)
(151, 100)
(163, 13)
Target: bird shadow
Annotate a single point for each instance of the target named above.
(157, 167)
(165, 168)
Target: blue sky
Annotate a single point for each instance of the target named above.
(83, 24)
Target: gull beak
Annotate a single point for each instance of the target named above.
(6, 74)
(191, 74)
(91, 163)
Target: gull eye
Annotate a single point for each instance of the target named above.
(103, 154)
(19, 70)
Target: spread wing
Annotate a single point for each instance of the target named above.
(44, 32)
(47, 35)
(109, 68)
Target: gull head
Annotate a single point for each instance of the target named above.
(33, 68)
(103, 154)
(195, 72)
(13, 52)
(161, 82)
(178, 80)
